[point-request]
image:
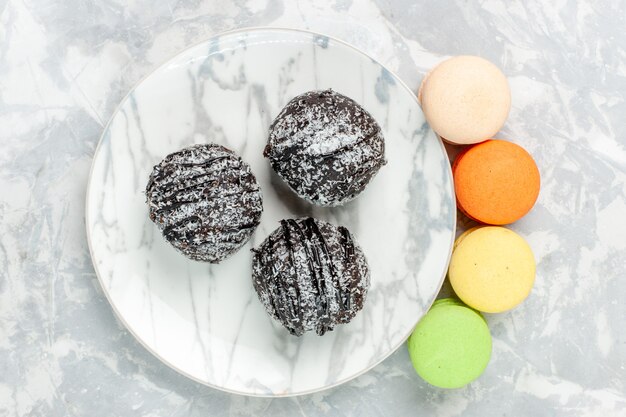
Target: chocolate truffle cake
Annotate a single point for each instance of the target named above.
(310, 275)
(326, 147)
(205, 200)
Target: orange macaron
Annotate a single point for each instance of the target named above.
(496, 182)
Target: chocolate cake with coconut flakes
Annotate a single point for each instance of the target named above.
(326, 147)
(310, 275)
(205, 201)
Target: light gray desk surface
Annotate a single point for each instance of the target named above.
(65, 65)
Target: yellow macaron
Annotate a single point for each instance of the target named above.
(465, 99)
(492, 269)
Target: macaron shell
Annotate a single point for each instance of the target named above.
(496, 182)
(419, 91)
(463, 235)
(451, 346)
(457, 160)
(443, 302)
(465, 99)
(459, 157)
(492, 269)
(447, 301)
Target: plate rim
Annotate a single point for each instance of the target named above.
(120, 317)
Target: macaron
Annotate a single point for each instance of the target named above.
(451, 346)
(465, 99)
(447, 301)
(496, 182)
(492, 269)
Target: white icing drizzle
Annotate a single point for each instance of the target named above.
(310, 275)
(205, 200)
(326, 147)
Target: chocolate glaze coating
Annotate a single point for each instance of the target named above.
(326, 147)
(310, 275)
(205, 200)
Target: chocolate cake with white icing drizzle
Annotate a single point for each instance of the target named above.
(205, 201)
(326, 147)
(310, 275)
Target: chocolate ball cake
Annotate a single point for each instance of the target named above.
(310, 275)
(205, 200)
(326, 147)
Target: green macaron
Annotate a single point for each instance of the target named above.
(451, 346)
(447, 301)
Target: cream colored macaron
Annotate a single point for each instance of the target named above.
(465, 99)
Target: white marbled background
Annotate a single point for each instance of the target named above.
(64, 66)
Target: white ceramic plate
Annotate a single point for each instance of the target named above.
(205, 320)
